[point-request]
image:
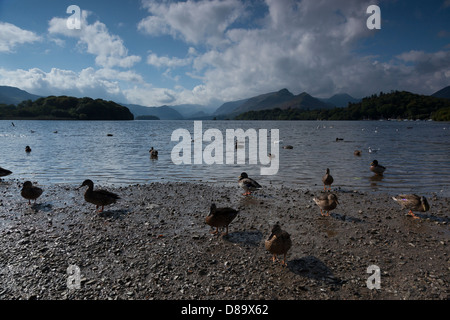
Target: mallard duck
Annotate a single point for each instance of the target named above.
(376, 168)
(288, 147)
(220, 217)
(248, 184)
(4, 172)
(326, 202)
(413, 202)
(27, 149)
(153, 153)
(279, 242)
(327, 180)
(357, 153)
(98, 197)
(30, 192)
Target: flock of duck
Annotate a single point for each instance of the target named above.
(279, 242)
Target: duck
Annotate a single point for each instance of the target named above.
(279, 242)
(326, 202)
(220, 217)
(376, 168)
(4, 172)
(327, 180)
(153, 153)
(412, 202)
(357, 153)
(27, 149)
(248, 184)
(98, 197)
(30, 192)
(288, 147)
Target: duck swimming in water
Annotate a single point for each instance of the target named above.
(377, 168)
(153, 153)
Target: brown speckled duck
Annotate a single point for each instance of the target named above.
(327, 180)
(30, 192)
(248, 184)
(220, 217)
(98, 197)
(376, 168)
(279, 242)
(326, 202)
(412, 202)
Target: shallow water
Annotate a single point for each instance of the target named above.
(416, 154)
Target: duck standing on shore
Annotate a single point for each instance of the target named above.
(326, 202)
(248, 184)
(413, 202)
(377, 168)
(98, 197)
(279, 242)
(220, 217)
(30, 192)
(327, 180)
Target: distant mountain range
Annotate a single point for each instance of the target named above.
(13, 95)
(282, 99)
(443, 93)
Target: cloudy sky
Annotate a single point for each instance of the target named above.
(152, 52)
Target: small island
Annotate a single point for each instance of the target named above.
(65, 108)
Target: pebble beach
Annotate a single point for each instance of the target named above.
(153, 244)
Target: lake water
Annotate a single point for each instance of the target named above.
(416, 154)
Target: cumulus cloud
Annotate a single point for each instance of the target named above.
(109, 49)
(12, 36)
(102, 83)
(195, 22)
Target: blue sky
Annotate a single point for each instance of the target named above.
(207, 52)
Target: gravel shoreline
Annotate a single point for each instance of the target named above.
(153, 244)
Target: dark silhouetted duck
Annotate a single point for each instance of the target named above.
(248, 184)
(357, 153)
(220, 217)
(98, 197)
(4, 172)
(412, 202)
(279, 242)
(30, 192)
(27, 149)
(327, 180)
(153, 153)
(326, 203)
(376, 168)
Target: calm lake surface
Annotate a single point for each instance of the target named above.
(416, 154)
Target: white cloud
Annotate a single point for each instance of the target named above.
(102, 83)
(165, 61)
(11, 36)
(195, 22)
(109, 49)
